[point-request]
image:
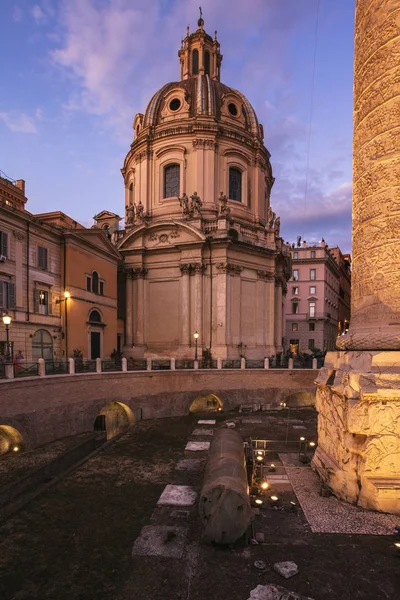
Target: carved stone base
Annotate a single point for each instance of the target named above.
(358, 454)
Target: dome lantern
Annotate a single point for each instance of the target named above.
(200, 54)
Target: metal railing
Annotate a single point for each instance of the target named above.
(63, 367)
(254, 364)
(208, 364)
(231, 364)
(159, 364)
(136, 364)
(184, 363)
(85, 366)
(56, 367)
(26, 369)
(111, 365)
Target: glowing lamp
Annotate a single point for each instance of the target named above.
(16, 449)
(67, 294)
(264, 485)
(6, 319)
(259, 501)
(274, 498)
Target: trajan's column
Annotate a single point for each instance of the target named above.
(358, 397)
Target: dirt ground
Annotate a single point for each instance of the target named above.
(75, 541)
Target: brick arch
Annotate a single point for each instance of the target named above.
(206, 403)
(114, 418)
(10, 439)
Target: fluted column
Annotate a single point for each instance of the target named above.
(375, 301)
(185, 304)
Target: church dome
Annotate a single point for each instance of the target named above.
(202, 96)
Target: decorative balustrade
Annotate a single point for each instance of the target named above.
(42, 368)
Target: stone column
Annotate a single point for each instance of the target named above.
(198, 303)
(129, 309)
(140, 275)
(358, 399)
(269, 311)
(260, 307)
(375, 290)
(278, 315)
(185, 304)
(220, 302)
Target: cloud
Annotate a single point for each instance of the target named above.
(38, 14)
(18, 123)
(17, 13)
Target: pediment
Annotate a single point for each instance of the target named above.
(98, 239)
(161, 235)
(106, 214)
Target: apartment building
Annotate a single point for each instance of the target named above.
(58, 282)
(317, 304)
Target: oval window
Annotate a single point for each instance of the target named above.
(175, 104)
(233, 109)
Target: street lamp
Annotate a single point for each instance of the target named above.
(66, 295)
(7, 321)
(196, 337)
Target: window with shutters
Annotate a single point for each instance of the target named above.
(42, 258)
(7, 294)
(235, 184)
(101, 288)
(313, 274)
(88, 283)
(42, 301)
(172, 181)
(3, 244)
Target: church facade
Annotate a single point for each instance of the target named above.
(201, 246)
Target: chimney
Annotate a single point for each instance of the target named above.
(20, 183)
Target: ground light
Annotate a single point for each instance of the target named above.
(272, 468)
(16, 449)
(258, 501)
(274, 499)
(265, 485)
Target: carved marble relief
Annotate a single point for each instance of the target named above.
(376, 193)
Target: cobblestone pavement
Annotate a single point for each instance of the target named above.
(76, 541)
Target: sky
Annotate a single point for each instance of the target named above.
(75, 72)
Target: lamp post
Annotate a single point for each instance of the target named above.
(196, 337)
(66, 295)
(7, 321)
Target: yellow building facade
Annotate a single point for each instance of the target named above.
(44, 258)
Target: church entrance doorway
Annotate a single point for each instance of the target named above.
(94, 344)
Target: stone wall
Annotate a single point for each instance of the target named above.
(45, 409)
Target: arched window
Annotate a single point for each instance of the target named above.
(42, 345)
(207, 62)
(235, 184)
(195, 62)
(95, 282)
(95, 317)
(171, 181)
